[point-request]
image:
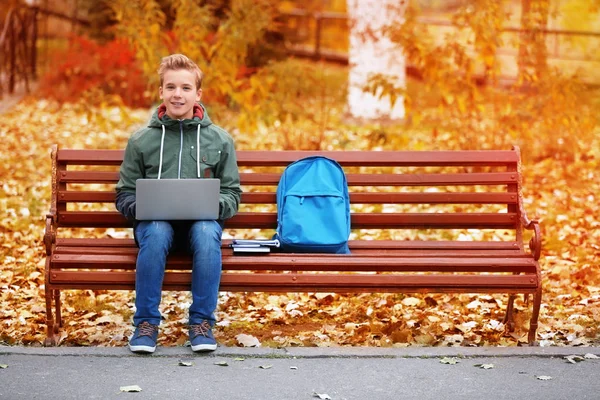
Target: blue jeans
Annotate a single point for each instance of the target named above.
(155, 240)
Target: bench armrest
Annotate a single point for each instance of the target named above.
(535, 244)
(50, 233)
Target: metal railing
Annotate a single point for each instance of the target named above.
(318, 52)
(19, 34)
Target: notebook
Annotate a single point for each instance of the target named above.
(177, 199)
(249, 249)
(244, 246)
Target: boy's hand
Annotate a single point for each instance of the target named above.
(131, 211)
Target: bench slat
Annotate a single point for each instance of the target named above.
(66, 196)
(280, 262)
(383, 158)
(308, 282)
(375, 179)
(345, 158)
(400, 179)
(264, 220)
(354, 244)
(88, 176)
(89, 157)
(372, 252)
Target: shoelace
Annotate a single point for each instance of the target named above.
(146, 329)
(201, 329)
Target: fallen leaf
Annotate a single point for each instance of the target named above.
(107, 319)
(485, 366)
(265, 366)
(116, 234)
(411, 301)
(132, 388)
(239, 359)
(89, 315)
(222, 363)
(322, 396)
(3, 366)
(293, 367)
(467, 326)
(450, 360)
(544, 377)
(474, 304)
(62, 337)
(185, 363)
(574, 359)
(590, 356)
(247, 340)
(425, 339)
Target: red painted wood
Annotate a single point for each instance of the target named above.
(427, 245)
(400, 179)
(88, 176)
(489, 180)
(345, 158)
(355, 198)
(102, 258)
(309, 282)
(373, 179)
(107, 219)
(363, 252)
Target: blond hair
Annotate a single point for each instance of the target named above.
(179, 61)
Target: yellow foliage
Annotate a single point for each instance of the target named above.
(141, 22)
(219, 46)
(544, 111)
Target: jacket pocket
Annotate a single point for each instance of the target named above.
(209, 158)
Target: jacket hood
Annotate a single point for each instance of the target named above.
(160, 117)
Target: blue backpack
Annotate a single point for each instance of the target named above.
(313, 207)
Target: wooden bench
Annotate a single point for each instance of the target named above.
(423, 221)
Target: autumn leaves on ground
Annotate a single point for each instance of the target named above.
(92, 98)
(562, 195)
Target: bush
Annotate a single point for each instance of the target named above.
(92, 71)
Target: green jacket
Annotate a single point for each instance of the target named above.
(179, 158)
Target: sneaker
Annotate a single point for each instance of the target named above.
(201, 337)
(144, 338)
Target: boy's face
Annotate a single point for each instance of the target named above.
(179, 93)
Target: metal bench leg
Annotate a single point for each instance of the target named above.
(509, 317)
(535, 313)
(57, 304)
(50, 325)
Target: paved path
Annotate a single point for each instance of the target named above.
(299, 373)
(9, 100)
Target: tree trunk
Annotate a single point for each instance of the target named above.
(533, 54)
(372, 53)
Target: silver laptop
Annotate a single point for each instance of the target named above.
(177, 199)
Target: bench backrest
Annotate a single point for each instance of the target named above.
(389, 189)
